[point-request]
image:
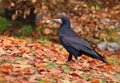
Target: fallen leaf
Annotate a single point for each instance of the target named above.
(22, 66)
(52, 65)
(27, 56)
(60, 62)
(54, 72)
(75, 75)
(112, 78)
(108, 67)
(27, 72)
(95, 81)
(22, 62)
(3, 79)
(6, 68)
(41, 65)
(16, 73)
(2, 51)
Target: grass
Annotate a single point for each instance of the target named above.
(19, 58)
(113, 60)
(52, 65)
(26, 30)
(66, 68)
(44, 41)
(3, 24)
(86, 77)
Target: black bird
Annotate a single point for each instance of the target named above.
(75, 45)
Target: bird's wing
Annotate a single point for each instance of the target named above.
(82, 45)
(77, 43)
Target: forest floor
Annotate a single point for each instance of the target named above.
(25, 61)
(30, 60)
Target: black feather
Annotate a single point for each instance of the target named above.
(74, 44)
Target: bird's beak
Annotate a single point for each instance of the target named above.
(57, 20)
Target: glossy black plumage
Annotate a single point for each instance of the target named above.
(75, 45)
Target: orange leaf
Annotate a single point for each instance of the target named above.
(27, 72)
(47, 81)
(3, 79)
(108, 67)
(61, 62)
(22, 62)
(22, 66)
(41, 65)
(27, 56)
(6, 68)
(95, 81)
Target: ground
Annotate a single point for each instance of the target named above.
(25, 61)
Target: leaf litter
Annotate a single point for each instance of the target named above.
(33, 62)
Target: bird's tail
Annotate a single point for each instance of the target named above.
(102, 58)
(94, 54)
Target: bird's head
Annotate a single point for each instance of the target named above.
(62, 20)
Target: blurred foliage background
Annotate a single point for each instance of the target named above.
(95, 20)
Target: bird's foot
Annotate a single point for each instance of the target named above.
(69, 61)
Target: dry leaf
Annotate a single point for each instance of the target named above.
(111, 77)
(47, 31)
(43, 65)
(27, 56)
(14, 16)
(6, 68)
(2, 51)
(22, 66)
(22, 62)
(61, 62)
(95, 81)
(108, 67)
(34, 1)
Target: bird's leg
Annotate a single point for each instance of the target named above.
(69, 57)
(77, 61)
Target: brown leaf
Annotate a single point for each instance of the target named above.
(27, 11)
(27, 56)
(33, 1)
(47, 31)
(22, 62)
(14, 16)
(16, 73)
(22, 66)
(75, 75)
(2, 78)
(44, 6)
(2, 51)
(54, 72)
(112, 78)
(27, 71)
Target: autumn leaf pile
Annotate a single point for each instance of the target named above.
(23, 61)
